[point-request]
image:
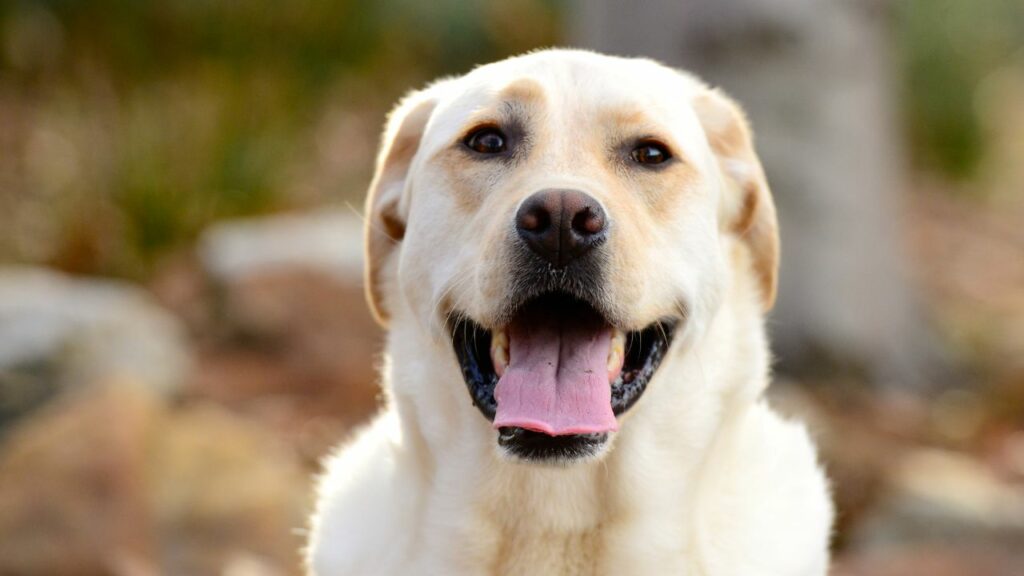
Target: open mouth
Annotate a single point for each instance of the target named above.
(554, 379)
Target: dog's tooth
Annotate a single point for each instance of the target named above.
(499, 352)
(614, 359)
(616, 352)
(499, 340)
(618, 339)
(500, 361)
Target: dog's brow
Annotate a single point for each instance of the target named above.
(629, 119)
(630, 122)
(511, 115)
(513, 111)
(524, 90)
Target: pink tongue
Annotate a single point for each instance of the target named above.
(557, 378)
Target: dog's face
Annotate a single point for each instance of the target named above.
(561, 218)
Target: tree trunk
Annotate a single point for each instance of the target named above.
(816, 81)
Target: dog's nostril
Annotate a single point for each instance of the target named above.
(587, 222)
(535, 220)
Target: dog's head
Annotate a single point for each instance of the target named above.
(560, 219)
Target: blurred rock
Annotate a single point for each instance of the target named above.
(224, 489)
(294, 343)
(300, 356)
(58, 331)
(939, 497)
(72, 488)
(330, 241)
(109, 481)
(952, 560)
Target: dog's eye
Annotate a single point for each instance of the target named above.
(650, 153)
(487, 140)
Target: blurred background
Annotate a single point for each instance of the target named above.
(182, 327)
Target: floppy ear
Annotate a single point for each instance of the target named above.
(385, 210)
(747, 209)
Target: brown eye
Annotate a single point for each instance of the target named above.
(488, 140)
(650, 153)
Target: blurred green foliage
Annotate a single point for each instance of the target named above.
(949, 47)
(129, 126)
(135, 124)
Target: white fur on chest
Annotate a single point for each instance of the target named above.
(757, 505)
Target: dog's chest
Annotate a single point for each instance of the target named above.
(538, 553)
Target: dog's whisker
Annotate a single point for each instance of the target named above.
(439, 302)
(370, 224)
(661, 330)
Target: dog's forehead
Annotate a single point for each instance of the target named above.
(575, 86)
(586, 75)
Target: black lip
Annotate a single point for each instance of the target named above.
(473, 349)
(645, 349)
(539, 447)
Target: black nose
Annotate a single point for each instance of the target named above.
(561, 225)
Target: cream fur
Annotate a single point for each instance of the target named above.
(702, 478)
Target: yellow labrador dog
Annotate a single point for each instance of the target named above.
(573, 254)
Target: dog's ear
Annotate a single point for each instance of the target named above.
(385, 209)
(747, 209)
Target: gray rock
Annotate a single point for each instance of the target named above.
(58, 331)
(329, 241)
